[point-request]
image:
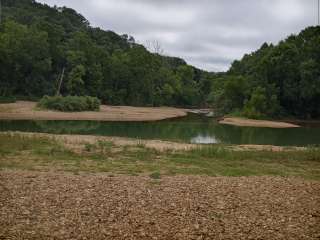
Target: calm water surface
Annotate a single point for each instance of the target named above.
(192, 129)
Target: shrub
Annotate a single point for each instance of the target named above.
(4, 99)
(70, 103)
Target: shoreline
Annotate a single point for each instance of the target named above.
(25, 110)
(160, 145)
(243, 122)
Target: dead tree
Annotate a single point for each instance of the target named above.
(155, 47)
(60, 82)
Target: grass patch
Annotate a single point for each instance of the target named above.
(155, 175)
(36, 153)
(101, 147)
(219, 161)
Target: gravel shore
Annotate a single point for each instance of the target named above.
(36, 205)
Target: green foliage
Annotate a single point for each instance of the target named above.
(260, 105)
(70, 103)
(34, 153)
(229, 94)
(37, 42)
(282, 80)
(210, 152)
(25, 61)
(75, 82)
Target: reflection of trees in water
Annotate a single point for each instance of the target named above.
(246, 135)
(19, 125)
(58, 127)
(157, 130)
(249, 135)
(64, 127)
(178, 130)
(267, 136)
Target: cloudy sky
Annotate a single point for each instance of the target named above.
(209, 34)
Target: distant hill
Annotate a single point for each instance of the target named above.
(275, 81)
(38, 41)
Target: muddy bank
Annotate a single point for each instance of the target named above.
(256, 123)
(36, 205)
(26, 111)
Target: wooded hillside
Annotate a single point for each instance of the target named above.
(37, 42)
(274, 81)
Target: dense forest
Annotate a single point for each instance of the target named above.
(39, 43)
(275, 81)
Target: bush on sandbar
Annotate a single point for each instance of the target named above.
(70, 103)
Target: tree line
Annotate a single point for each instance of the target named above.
(38, 43)
(275, 81)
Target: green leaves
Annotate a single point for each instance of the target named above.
(39, 41)
(70, 103)
(280, 80)
(75, 80)
(25, 59)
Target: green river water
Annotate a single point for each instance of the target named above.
(191, 129)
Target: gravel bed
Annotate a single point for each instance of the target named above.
(36, 205)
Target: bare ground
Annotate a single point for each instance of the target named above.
(23, 110)
(37, 205)
(256, 123)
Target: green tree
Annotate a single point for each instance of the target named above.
(229, 93)
(257, 106)
(25, 60)
(75, 80)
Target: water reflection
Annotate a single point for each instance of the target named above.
(194, 129)
(203, 140)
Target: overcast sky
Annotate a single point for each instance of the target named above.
(209, 34)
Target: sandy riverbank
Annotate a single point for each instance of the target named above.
(24, 110)
(256, 123)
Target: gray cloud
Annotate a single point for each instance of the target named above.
(209, 34)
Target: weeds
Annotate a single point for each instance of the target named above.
(155, 175)
(141, 144)
(210, 152)
(20, 152)
(88, 147)
(101, 147)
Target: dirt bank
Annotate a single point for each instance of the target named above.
(26, 111)
(36, 205)
(73, 141)
(256, 123)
